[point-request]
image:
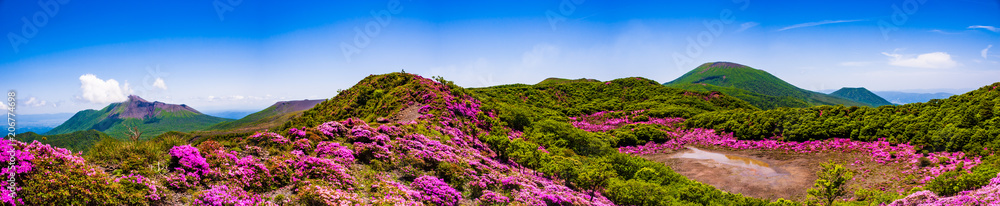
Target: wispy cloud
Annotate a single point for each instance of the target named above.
(943, 32)
(986, 51)
(745, 26)
(159, 83)
(934, 60)
(990, 28)
(811, 24)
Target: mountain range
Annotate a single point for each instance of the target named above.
(153, 118)
(907, 97)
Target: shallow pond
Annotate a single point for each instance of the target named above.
(744, 165)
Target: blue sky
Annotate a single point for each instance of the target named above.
(245, 55)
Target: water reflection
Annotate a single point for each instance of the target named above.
(747, 165)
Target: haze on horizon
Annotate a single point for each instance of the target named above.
(215, 55)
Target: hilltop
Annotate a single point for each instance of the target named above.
(554, 80)
(755, 86)
(862, 95)
(153, 118)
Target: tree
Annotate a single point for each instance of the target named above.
(832, 182)
(133, 132)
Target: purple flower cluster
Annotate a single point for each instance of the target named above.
(23, 161)
(330, 196)
(297, 133)
(269, 136)
(190, 158)
(306, 167)
(490, 197)
(340, 154)
(332, 129)
(605, 120)
(303, 144)
(435, 191)
(986, 195)
(219, 195)
(192, 168)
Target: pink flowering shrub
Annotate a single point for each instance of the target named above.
(333, 150)
(492, 198)
(434, 191)
(332, 129)
(986, 195)
(23, 165)
(219, 195)
(189, 167)
(297, 133)
(268, 138)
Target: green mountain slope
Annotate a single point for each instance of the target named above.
(270, 117)
(79, 141)
(862, 95)
(152, 118)
(757, 86)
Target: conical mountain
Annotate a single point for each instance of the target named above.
(153, 118)
(862, 95)
(755, 86)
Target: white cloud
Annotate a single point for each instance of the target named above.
(985, 51)
(160, 84)
(745, 26)
(4, 107)
(990, 28)
(935, 60)
(34, 102)
(96, 90)
(539, 54)
(810, 24)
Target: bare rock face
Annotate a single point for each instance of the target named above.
(136, 107)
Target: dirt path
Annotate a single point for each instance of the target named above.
(761, 174)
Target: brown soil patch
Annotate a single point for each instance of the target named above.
(410, 113)
(788, 175)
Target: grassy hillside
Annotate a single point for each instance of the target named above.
(862, 95)
(79, 141)
(968, 122)
(744, 81)
(269, 118)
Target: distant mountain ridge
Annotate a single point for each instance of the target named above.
(755, 86)
(270, 117)
(153, 118)
(906, 97)
(860, 94)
